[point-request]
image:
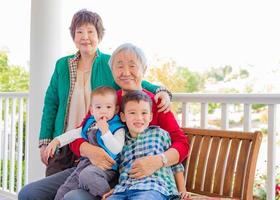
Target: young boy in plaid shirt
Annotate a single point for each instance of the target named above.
(144, 140)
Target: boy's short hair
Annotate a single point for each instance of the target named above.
(104, 90)
(137, 96)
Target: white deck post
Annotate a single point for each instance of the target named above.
(45, 49)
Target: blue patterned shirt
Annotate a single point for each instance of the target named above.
(152, 141)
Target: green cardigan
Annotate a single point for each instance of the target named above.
(58, 95)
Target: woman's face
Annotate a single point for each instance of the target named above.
(86, 39)
(127, 71)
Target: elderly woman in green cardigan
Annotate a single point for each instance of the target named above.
(67, 99)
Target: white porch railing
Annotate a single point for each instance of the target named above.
(14, 131)
(13, 142)
(272, 100)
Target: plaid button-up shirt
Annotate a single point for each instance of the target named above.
(152, 141)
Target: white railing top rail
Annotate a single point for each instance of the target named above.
(14, 94)
(227, 98)
(200, 97)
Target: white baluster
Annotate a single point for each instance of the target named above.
(6, 137)
(20, 145)
(1, 135)
(271, 151)
(26, 152)
(12, 146)
(204, 115)
(224, 116)
(247, 117)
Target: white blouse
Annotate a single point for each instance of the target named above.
(80, 100)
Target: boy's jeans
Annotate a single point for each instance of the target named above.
(138, 195)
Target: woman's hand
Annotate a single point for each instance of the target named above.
(164, 105)
(97, 156)
(43, 154)
(145, 166)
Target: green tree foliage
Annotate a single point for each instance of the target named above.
(225, 74)
(176, 79)
(13, 78)
(258, 107)
(243, 73)
(212, 107)
(3, 61)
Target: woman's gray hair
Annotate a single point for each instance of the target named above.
(128, 47)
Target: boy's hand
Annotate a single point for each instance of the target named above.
(107, 194)
(50, 150)
(102, 125)
(184, 195)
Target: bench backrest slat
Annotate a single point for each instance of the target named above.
(222, 163)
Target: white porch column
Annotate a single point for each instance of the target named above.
(45, 49)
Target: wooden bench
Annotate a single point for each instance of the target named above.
(221, 163)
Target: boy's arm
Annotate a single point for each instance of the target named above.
(69, 136)
(178, 171)
(114, 142)
(180, 181)
(62, 140)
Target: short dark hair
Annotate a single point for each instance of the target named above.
(104, 90)
(85, 16)
(137, 96)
